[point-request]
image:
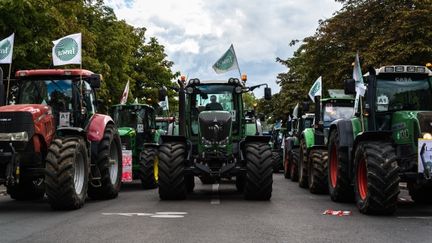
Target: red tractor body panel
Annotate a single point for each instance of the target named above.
(96, 127)
(53, 72)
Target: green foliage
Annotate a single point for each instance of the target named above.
(111, 47)
(384, 32)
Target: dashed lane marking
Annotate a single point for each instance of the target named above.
(151, 215)
(215, 200)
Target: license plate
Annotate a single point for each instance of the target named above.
(127, 166)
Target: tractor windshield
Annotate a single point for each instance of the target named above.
(128, 116)
(333, 112)
(55, 93)
(403, 94)
(212, 97)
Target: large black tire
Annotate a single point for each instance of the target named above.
(148, 168)
(302, 165)
(109, 162)
(27, 189)
(294, 165)
(172, 183)
(287, 164)
(376, 179)
(277, 161)
(421, 194)
(317, 177)
(339, 183)
(67, 173)
(259, 171)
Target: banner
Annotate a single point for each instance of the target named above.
(6, 49)
(316, 89)
(359, 84)
(227, 62)
(164, 104)
(125, 94)
(67, 50)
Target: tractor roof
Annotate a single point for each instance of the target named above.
(398, 69)
(231, 81)
(126, 106)
(53, 72)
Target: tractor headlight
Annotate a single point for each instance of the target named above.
(14, 136)
(427, 136)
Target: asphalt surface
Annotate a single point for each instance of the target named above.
(214, 213)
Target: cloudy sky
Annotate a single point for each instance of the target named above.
(196, 33)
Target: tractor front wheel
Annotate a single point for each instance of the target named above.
(109, 162)
(317, 177)
(67, 173)
(148, 168)
(376, 179)
(295, 157)
(277, 161)
(172, 180)
(259, 171)
(302, 165)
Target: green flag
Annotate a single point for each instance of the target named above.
(227, 62)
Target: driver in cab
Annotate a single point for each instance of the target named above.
(213, 105)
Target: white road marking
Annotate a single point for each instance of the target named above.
(414, 217)
(165, 216)
(152, 215)
(173, 213)
(215, 199)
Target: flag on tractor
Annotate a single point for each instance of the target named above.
(125, 94)
(6, 49)
(67, 50)
(316, 89)
(358, 77)
(227, 62)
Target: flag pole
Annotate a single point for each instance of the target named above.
(8, 82)
(238, 67)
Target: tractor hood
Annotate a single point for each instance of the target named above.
(215, 127)
(126, 131)
(36, 110)
(406, 124)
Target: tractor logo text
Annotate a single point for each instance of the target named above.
(5, 49)
(66, 49)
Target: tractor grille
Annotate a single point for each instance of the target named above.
(425, 121)
(215, 125)
(16, 122)
(126, 142)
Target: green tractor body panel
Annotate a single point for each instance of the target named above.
(309, 137)
(215, 139)
(404, 127)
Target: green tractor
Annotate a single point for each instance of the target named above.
(137, 129)
(212, 142)
(291, 146)
(312, 169)
(386, 143)
(276, 143)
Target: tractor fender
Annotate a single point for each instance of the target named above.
(74, 131)
(345, 131)
(372, 136)
(309, 137)
(96, 127)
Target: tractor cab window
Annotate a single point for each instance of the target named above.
(332, 113)
(125, 117)
(89, 99)
(403, 94)
(212, 97)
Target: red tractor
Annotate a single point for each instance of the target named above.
(53, 142)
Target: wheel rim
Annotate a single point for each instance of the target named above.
(113, 164)
(156, 168)
(362, 179)
(79, 173)
(333, 166)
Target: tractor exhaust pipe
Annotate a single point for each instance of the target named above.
(182, 109)
(2, 89)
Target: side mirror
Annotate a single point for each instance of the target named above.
(349, 85)
(267, 93)
(305, 106)
(162, 93)
(95, 81)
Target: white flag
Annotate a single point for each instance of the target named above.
(67, 50)
(125, 94)
(358, 77)
(227, 62)
(316, 89)
(6, 49)
(164, 104)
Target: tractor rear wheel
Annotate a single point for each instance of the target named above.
(294, 165)
(148, 168)
(420, 193)
(172, 181)
(287, 164)
(27, 189)
(339, 185)
(67, 173)
(277, 161)
(376, 179)
(109, 162)
(317, 177)
(259, 171)
(302, 165)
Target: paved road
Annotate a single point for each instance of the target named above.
(214, 213)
